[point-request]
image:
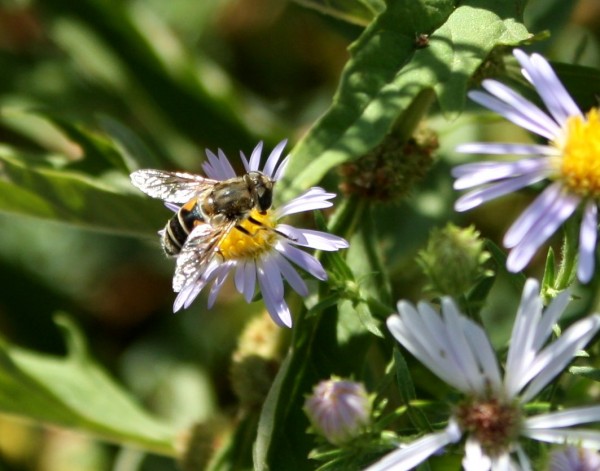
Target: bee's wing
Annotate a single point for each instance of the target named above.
(173, 187)
(199, 250)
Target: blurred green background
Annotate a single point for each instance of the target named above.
(166, 80)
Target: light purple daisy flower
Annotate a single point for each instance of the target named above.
(492, 415)
(570, 162)
(264, 250)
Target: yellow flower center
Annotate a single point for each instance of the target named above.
(250, 238)
(579, 168)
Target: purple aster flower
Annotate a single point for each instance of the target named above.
(492, 415)
(570, 162)
(251, 244)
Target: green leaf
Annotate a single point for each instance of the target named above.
(74, 198)
(75, 392)
(360, 12)
(388, 70)
(407, 392)
(186, 102)
(586, 371)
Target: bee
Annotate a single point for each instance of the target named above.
(209, 211)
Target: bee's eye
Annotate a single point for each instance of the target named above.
(265, 198)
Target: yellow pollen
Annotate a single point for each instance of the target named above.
(252, 237)
(580, 163)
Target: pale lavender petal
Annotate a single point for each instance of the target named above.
(291, 275)
(254, 163)
(218, 168)
(587, 242)
(529, 218)
(521, 117)
(556, 356)
(277, 307)
(482, 195)
(281, 169)
(218, 283)
(268, 268)
(245, 278)
(304, 260)
(245, 162)
(548, 86)
(271, 164)
(511, 98)
(313, 198)
(543, 228)
(507, 148)
(477, 174)
(314, 239)
(172, 206)
(412, 455)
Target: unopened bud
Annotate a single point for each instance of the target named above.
(454, 260)
(338, 410)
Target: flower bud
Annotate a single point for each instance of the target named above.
(338, 410)
(453, 260)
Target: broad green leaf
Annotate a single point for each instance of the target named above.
(387, 71)
(74, 198)
(187, 103)
(75, 392)
(359, 12)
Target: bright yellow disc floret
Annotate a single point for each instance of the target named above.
(256, 236)
(580, 163)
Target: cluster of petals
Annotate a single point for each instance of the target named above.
(273, 265)
(458, 351)
(537, 163)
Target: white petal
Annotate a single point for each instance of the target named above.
(556, 356)
(582, 438)
(412, 455)
(475, 459)
(565, 418)
(521, 352)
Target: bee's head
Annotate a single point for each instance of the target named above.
(261, 187)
